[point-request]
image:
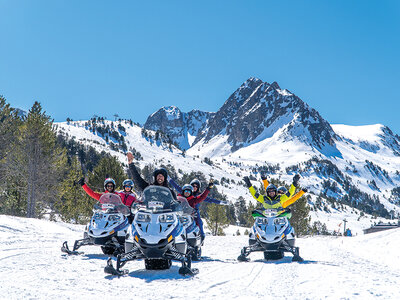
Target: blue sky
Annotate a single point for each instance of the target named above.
(81, 58)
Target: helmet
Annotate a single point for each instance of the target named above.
(128, 183)
(195, 181)
(187, 187)
(282, 190)
(271, 187)
(108, 180)
(161, 171)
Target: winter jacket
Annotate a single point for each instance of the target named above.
(127, 198)
(194, 200)
(292, 199)
(208, 199)
(267, 202)
(142, 184)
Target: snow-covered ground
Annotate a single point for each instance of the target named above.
(33, 267)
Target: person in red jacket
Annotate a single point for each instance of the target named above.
(187, 191)
(109, 187)
(127, 195)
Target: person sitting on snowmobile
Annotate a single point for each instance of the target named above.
(283, 190)
(195, 183)
(160, 176)
(127, 195)
(187, 192)
(272, 199)
(109, 187)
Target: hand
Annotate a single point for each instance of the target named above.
(263, 176)
(247, 181)
(305, 190)
(130, 157)
(81, 181)
(296, 179)
(211, 184)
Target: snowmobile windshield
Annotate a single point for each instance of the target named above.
(273, 212)
(186, 208)
(111, 203)
(159, 199)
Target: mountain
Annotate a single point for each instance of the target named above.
(263, 128)
(181, 127)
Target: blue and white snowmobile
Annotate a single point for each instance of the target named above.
(192, 230)
(107, 227)
(158, 234)
(271, 234)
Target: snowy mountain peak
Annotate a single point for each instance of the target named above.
(258, 110)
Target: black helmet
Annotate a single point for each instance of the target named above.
(107, 181)
(187, 187)
(271, 187)
(128, 183)
(163, 172)
(197, 182)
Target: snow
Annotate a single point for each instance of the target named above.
(32, 266)
(358, 133)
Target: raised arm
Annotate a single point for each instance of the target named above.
(293, 199)
(139, 181)
(264, 180)
(175, 185)
(88, 190)
(253, 191)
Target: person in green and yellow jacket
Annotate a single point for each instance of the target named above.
(282, 190)
(272, 199)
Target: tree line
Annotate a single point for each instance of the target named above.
(39, 171)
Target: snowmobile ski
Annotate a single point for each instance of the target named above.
(66, 249)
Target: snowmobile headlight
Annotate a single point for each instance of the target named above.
(262, 221)
(113, 218)
(98, 216)
(280, 221)
(140, 217)
(185, 220)
(166, 218)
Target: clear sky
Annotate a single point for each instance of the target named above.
(81, 58)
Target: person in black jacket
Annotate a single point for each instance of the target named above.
(160, 176)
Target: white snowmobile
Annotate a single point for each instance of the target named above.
(107, 227)
(271, 234)
(192, 230)
(157, 235)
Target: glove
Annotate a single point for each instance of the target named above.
(247, 181)
(296, 179)
(305, 190)
(81, 181)
(211, 184)
(263, 176)
(224, 202)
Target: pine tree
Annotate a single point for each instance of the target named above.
(75, 205)
(10, 195)
(241, 211)
(216, 220)
(37, 162)
(107, 167)
(300, 219)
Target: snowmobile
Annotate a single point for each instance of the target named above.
(271, 234)
(192, 230)
(107, 227)
(157, 234)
